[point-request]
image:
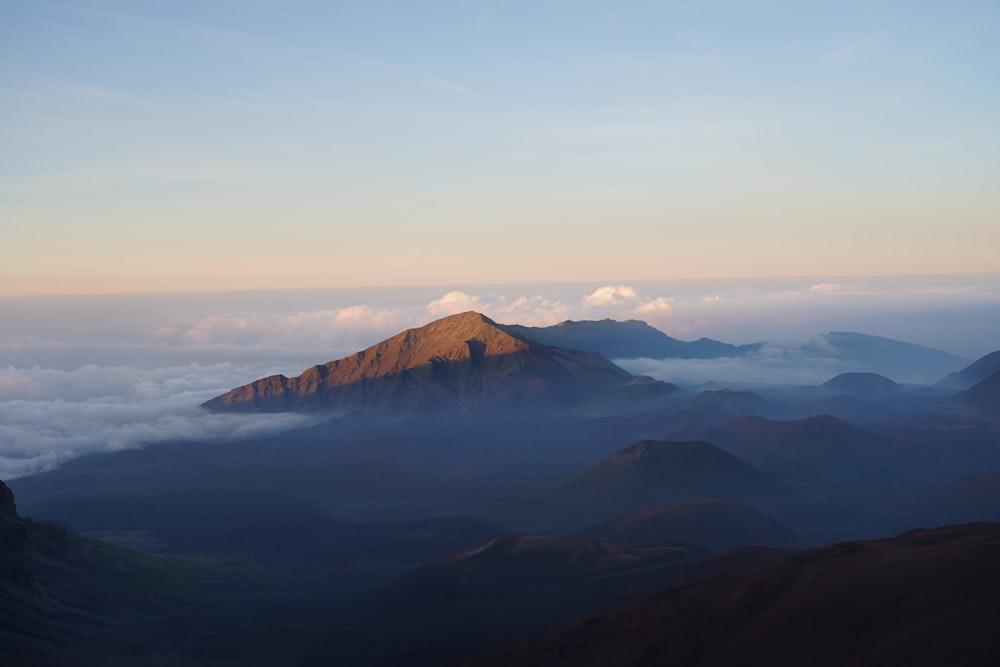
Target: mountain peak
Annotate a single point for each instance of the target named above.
(460, 361)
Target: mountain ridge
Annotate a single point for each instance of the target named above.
(461, 361)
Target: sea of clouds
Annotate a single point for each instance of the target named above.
(104, 373)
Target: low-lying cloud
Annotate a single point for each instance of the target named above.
(48, 416)
(771, 364)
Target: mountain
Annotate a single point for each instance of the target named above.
(641, 394)
(461, 362)
(631, 339)
(974, 373)
(713, 524)
(898, 359)
(862, 385)
(923, 598)
(820, 447)
(735, 403)
(985, 394)
(758, 437)
(656, 472)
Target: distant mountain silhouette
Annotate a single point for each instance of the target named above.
(631, 339)
(712, 524)
(460, 362)
(924, 598)
(862, 385)
(820, 445)
(898, 359)
(811, 433)
(641, 394)
(976, 372)
(985, 394)
(735, 403)
(656, 472)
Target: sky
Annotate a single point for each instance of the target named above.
(151, 147)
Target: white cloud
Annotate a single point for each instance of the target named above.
(48, 416)
(657, 306)
(611, 295)
(772, 364)
(527, 310)
(454, 302)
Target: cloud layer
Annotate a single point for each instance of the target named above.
(81, 375)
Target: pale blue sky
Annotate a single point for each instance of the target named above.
(153, 146)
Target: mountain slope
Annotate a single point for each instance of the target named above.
(976, 372)
(655, 472)
(926, 597)
(712, 524)
(985, 394)
(464, 361)
(862, 385)
(898, 359)
(817, 439)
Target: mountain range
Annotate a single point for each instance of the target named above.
(473, 483)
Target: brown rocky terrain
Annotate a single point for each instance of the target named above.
(460, 362)
(926, 597)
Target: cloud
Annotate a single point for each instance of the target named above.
(454, 302)
(527, 310)
(657, 306)
(611, 295)
(48, 416)
(772, 364)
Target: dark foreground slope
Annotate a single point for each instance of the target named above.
(926, 597)
(67, 601)
(459, 362)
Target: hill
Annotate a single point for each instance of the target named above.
(985, 394)
(862, 385)
(461, 362)
(926, 597)
(976, 372)
(713, 524)
(656, 472)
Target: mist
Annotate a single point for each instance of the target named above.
(102, 373)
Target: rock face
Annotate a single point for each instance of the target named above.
(460, 362)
